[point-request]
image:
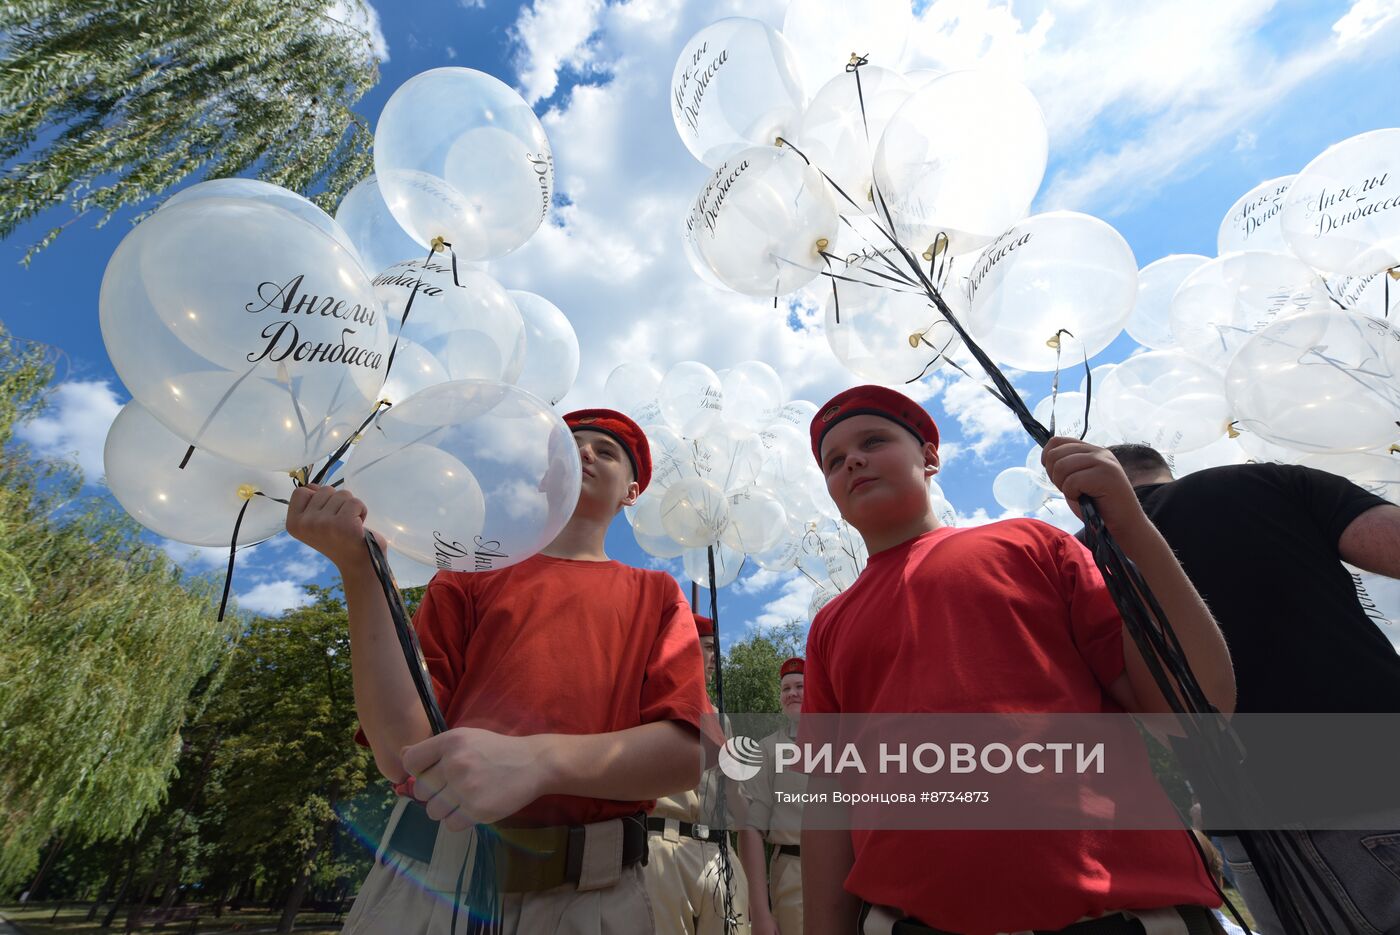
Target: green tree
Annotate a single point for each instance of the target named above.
(106, 103)
(105, 644)
(751, 668)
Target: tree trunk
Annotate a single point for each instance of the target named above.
(294, 900)
(37, 885)
(106, 892)
(121, 893)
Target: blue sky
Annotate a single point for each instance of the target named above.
(1160, 116)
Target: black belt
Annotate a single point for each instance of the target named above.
(527, 859)
(791, 850)
(1198, 921)
(694, 831)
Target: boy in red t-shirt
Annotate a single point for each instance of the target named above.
(574, 693)
(1008, 617)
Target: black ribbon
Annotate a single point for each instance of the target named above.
(721, 803)
(408, 639)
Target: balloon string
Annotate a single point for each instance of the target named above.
(232, 550)
(417, 284)
(408, 639)
(726, 869)
(853, 67)
(345, 446)
(208, 420)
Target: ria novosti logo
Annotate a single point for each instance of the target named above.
(741, 758)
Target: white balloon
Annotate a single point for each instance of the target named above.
(766, 216)
(757, 520)
(408, 573)
(366, 220)
(1165, 399)
(632, 389)
(1219, 453)
(276, 195)
(1224, 301)
(1150, 324)
(691, 398)
(728, 564)
(1377, 295)
(551, 348)
(1052, 272)
(886, 336)
(690, 247)
(1342, 213)
(458, 154)
(1319, 381)
(1252, 223)
(820, 598)
(245, 330)
(797, 413)
(842, 126)
(1067, 412)
(1016, 489)
(962, 157)
(415, 368)
(730, 455)
(197, 505)
(694, 512)
(468, 322)
(826, 34)
(735, 85)
(672, 457)
(470, 475)
(753, 394)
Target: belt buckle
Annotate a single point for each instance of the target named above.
(700, 832)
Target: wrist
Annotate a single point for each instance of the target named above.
(353, 563)
(549, 763)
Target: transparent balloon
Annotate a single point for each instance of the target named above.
(1150, 324)
(735, 85)
(366, 220)
(1253, 222)
(820, 598)
(1219, 305)
(470, 475)
(276, 195)
(728, 564)
(842, 126)
(245, 330)
(883, 335)
(1066, 412)
(757, 520)
(1166, 399)
(459, 155)
(827, 34)
(969, 183)
(1052, 273)
(753, 394)
(797, 413)
(782, 556)
(690, 246)
(1377, 295)
(1320, 381)
(1219, 453)
(407, 572)
(198, 505)
(1342, 213)
(691, 398)
(468, 322)
(1057, 512)
(633, 389)
(551, 348)
(415, 368)
(729, 455)
(694, 512)
(672, 457)
(1016, 489)
(766, 217)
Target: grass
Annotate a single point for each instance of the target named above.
(35, 920)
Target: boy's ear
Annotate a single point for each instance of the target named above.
(931, 461)
(633, 492)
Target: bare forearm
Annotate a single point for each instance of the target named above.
(1190, 619)
(1371, 542)
(755, 873)
(386, 700)
(644, 762)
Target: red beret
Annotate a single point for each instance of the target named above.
(627, 433)
(872, 400)
(792, 667)
(704, 626)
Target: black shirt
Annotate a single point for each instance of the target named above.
(1259, 542)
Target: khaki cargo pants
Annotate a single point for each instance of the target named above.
(402, 896)
(683, 881)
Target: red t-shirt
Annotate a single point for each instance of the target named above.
(558, 646)
(1011, 617)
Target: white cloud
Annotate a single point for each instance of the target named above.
(196, 559)
(553, 34)
(1364, 19)
(472, 4)
(793, 600)
(361, 16)
(271, 598)
(74, 425)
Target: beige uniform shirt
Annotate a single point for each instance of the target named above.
(780, 822)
